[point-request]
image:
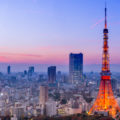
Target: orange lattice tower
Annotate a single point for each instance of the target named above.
(105, 101)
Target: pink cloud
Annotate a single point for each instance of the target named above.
(98, 22)
(3, 59)
(52, 55)
(31, 58)
(47, 58)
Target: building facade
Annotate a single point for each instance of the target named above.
(75, 68)
(43, 94)
(52, 74)
(9, 69)
(31, 70)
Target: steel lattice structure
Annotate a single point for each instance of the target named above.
(105, 100)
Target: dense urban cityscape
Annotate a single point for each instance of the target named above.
(59, 94)
(29, 93)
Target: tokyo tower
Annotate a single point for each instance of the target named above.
(105, 101)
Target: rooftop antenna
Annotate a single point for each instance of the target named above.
(105, 15)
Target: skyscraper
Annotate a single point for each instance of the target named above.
(43, 94)
(75, 67)
(51, 74)
(9, 69)
(43, 98)
(31, 70)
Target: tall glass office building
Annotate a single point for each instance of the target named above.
(52, 74)
(75, 68)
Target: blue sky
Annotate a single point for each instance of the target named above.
(46, 31)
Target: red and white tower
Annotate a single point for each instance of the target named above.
(105, 101)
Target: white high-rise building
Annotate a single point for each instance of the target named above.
(43, 95)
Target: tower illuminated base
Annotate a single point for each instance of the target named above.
(105, 100)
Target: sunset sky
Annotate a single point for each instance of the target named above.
(46, 31)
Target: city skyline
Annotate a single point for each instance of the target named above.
(59, 59)
(37, 32)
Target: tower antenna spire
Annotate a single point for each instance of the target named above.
(105, 15)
